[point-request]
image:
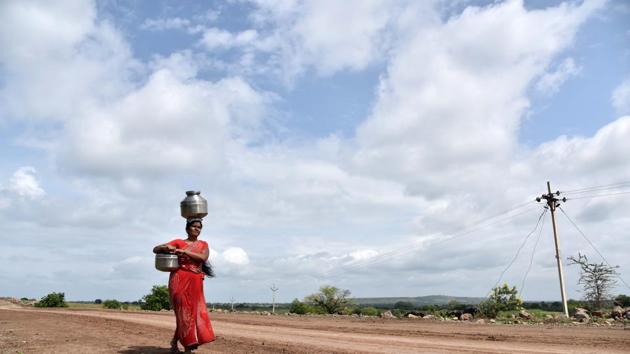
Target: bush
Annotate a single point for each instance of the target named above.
(370, 311)
(98, 301)
(112, 304)
(502, 298)
(157, 300)
(623, 300)
(52, 300)
(298, 307)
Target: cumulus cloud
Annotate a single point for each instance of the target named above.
(444, 106)
(236, 256)
(24, 183)
(621, 98)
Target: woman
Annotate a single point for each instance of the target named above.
(185, 287)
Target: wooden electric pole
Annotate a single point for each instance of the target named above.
(273, 298)
(553, 203)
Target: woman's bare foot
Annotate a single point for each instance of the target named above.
(189, 349)
(174, 348)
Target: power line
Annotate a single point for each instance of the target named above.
(531, 259)
(593, 188)
(520, 248)
(592, 245)
(478, 225)
(598, 195)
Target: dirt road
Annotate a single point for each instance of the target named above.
(29, 330)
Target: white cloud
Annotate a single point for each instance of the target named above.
(57, 59)
(24, 184)
(214, 38)
(162, 24)
(550, 82)
(451, 102)
(621, 98)
(236, 256)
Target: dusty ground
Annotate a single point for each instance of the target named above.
(29, 330)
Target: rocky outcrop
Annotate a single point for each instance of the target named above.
(387, 314)
(524, 315)
(581, 315)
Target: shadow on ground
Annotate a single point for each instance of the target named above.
(145, 350)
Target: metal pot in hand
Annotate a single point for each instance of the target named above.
(194, 205)
(166, 262)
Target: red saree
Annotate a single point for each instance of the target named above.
(185, 287)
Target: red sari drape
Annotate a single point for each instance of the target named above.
(185, 287)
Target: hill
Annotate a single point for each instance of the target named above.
(419, 300)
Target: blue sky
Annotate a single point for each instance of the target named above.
(350, 143)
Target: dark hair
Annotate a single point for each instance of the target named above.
(192, 221)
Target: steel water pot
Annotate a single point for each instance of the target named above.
(166, 262)
(194, 205)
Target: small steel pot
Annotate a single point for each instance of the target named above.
(166, 262)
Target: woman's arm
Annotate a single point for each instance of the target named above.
(164, 248)
(199, 257)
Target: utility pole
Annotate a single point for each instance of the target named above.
(273, 298)
(232, 303)
(553, 203)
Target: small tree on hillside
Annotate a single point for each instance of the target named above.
(330, 299)
(53, 300)
(157, 300)
(597, 280)
(112, 304)
(502, 298)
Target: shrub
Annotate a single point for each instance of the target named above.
(52, 300)
(370, 311)
(502, 298)
(298, 307)
(157, 300)
(623, 300)
(98, 301)
(112, 304)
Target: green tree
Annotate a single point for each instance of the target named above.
(157, 300)
(623, 300)
(98, 301)
(52, 300)
(502, 298)
(404, 305)
(329, 299)
(597, 280)
(298, 307)
(112, 304)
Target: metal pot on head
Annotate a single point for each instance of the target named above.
(166, 262)
(194, 205)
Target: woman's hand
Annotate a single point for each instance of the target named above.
(164, 248)
(180, 251)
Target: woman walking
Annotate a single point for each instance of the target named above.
(185, 287)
